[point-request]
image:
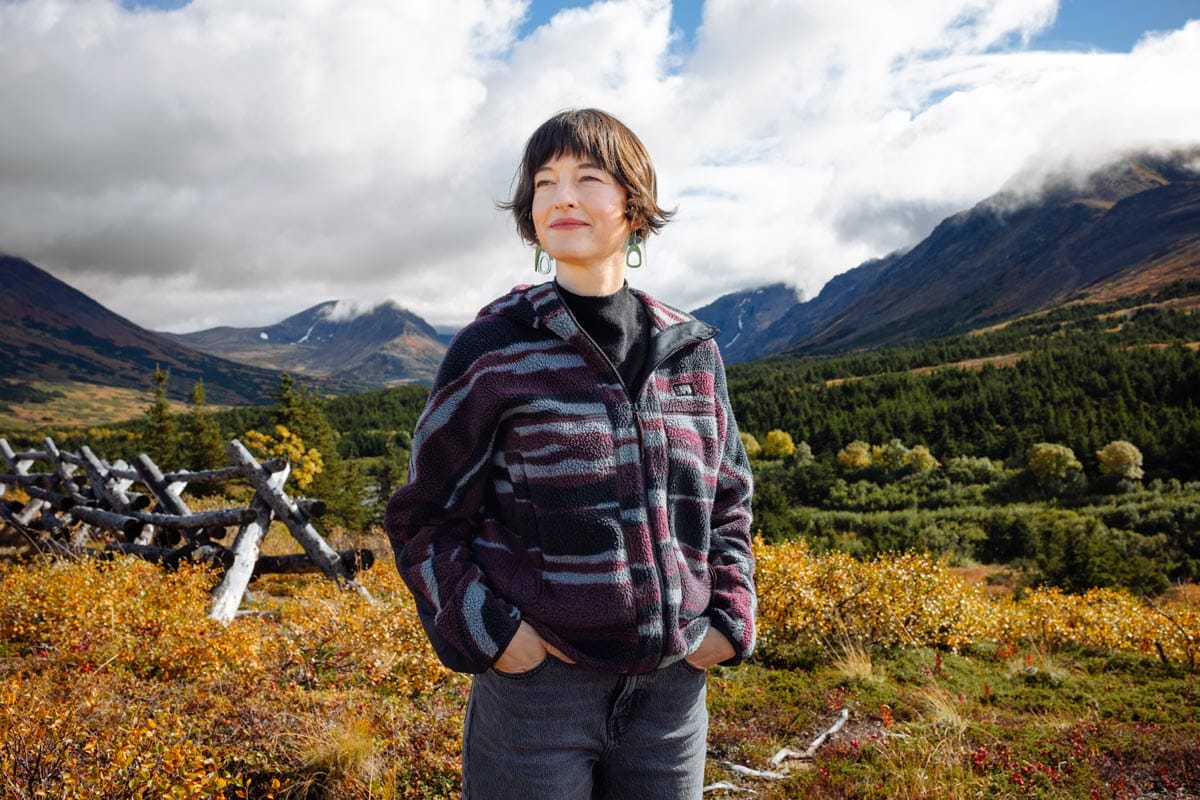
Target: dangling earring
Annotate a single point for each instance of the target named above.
(542, 262)
(635, 256)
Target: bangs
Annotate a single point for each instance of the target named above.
(576, 133)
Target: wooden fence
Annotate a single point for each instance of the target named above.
(77, 504)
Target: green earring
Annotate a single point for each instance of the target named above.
(542, 262)
(635, 255)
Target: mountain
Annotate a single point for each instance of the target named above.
(1125, 229)
(746, 314)
(52, 332)
(383, 346)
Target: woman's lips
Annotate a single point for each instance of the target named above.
(567, 224)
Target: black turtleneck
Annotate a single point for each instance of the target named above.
(619, 325)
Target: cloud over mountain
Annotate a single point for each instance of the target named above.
(231, 161)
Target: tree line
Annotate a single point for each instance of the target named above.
(1082, 376)
(1073, 460)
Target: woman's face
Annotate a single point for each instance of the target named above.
(579, 212)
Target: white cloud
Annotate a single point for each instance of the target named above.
(236, 161)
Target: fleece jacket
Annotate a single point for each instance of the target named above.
(540, 490)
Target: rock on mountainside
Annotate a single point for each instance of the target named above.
(1130, 227)
(52, 332)
(743, 315)
(383, 346)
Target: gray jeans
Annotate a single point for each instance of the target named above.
(561, 732)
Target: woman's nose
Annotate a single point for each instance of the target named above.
(564, 194)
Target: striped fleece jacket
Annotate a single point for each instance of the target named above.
(539, 491)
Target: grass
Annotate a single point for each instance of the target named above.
(940, 725)
(79, 405)
(113, 684)
(853, 661)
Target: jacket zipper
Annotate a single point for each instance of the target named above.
(637, 423)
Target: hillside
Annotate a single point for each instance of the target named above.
(1131, 228)
(1081, 375)
(748, 313)
(52, 333)
(383, 346)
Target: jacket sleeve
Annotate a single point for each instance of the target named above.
(733, 604)
(432, 520)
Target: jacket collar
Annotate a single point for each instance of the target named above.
(541, 306)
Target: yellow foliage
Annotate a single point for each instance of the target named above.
(306, 461)
(121, 677)
(777, 444)
(1120, 459)
(920, 459)
(753, 448)
(855, 455)
(910, 599)
(901, 600)
(892, 455)
(1050, 462)
(115, 683)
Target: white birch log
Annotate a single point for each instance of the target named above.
(227, 597)
(287, 512)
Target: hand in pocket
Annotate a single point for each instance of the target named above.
(526, 651)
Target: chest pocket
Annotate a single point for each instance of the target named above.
(690, 424)
(563, 473)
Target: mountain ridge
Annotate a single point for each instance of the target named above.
(51, 331)
(1007, 255)
(381, 346)
(1129, 228)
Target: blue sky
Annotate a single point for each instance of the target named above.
(1112, 25)
(174, 164)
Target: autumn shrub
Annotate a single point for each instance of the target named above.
(342, 639)
(114, 683)
(81, 737)
(812, 604)
(127, 615)
(808, 602)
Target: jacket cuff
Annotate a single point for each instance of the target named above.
(721, 622)
(505, 638)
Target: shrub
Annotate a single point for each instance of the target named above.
(856, 455)
(1120, 459)
(753, 448)
(778, 444)
(1052, 463)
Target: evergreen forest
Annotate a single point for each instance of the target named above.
(988, 448)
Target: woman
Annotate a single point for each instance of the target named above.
(576, 526)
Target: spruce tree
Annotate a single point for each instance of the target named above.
(339, 483)
(203, 446)
(159, 441)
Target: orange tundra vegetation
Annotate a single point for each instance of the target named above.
(114, 683)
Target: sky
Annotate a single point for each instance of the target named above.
(233, 162)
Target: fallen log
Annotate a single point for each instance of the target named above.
(355, 561)
(109, 490)
(227, 596)
(42, 479)
(221, 518)
(53, 499)
(108, 520)
(166, 557)
(811, 752)
(312, 507)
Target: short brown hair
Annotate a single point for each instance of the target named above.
(601, 137)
